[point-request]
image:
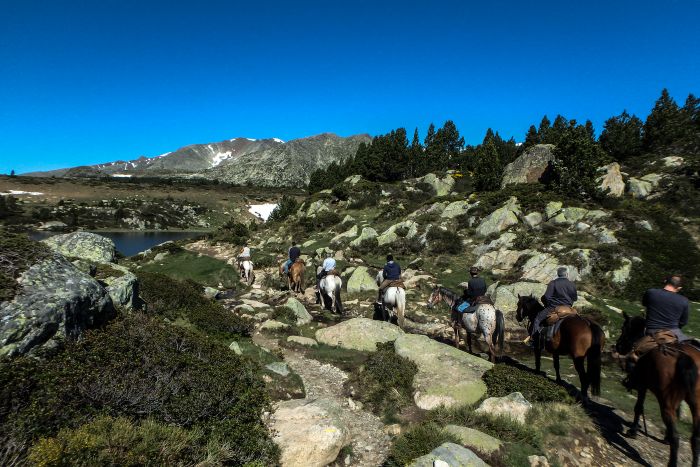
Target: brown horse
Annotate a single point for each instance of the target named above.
(295, 278)
(577, 336)
(670, 372)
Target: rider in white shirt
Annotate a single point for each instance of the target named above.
(327, 266)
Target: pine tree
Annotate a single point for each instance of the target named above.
(590, 131)
(531, 138)
(576, 164)
(12, 173)
(544, 129)
(664, 126)
(415, 157)
(621, 137)
(448, 145)
(488, 169)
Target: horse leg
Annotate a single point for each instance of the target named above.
(469, 341)
(695, 440)
(583, 377)
(538, 353)
(668, 413)
(555, 357)
(638, 411)
(455, 327)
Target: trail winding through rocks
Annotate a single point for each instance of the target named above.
(370, 443)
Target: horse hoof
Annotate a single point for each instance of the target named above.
(632, 434)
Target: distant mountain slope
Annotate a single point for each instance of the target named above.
(264, 162)
(289, 164)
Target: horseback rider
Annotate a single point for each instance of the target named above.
(476, 287)
(327, 266)
(391, 273)
(244, 255)
(667, 310)
(294, 254)
(560, 291)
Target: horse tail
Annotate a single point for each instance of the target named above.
(594, 357)
(687, 374)
(338, 301)
(499, 333)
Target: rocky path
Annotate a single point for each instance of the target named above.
(370, 443)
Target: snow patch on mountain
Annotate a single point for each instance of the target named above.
(277, 140)
(219, 157)
(122, 175)
(263, 211)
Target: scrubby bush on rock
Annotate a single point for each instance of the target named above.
(418, 441)
(444, 241)
(502, 380)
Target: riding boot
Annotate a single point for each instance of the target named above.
(318, 297)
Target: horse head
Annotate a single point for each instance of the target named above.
(434, 297)
(632, 330)
(526, 307)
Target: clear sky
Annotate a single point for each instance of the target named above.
(91, 81)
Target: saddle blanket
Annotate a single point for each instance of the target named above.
(397, 283)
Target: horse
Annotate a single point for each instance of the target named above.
(393, 302)
(246, 269)
(670, 372)
(295, 277)
(329, 287)
(577, 336)
(486, 319)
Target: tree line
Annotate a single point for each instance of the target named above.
(669, 128)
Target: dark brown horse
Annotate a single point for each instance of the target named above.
(670, 372)
(577, 336)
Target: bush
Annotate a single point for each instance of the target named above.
(502, 380)
(286, 207)
(385, 382)
(17, 254)
(141, 368)
(341, 192)
(233, 232)
(184, 300)
(418, 441)
(320, 222)
(366, 247)
(444, 241)
(407, 246)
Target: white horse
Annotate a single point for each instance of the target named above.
(394, 301)
(329, 287)
(247, 274)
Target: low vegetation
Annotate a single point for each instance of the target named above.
(502, 380)
(17, 254)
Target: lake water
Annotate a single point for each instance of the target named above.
(130, 243)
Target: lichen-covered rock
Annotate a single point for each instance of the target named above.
(55, 301)
(500, 219)
(123, 288)
(673, 161)
(441, 186)
(358, 334)
(542, 267)
(280, 368)
(606, 236)
(303, 316)
(449, 454)
(316, 208)
(211, 292)
(645, 186)
(361, 281)
(446, 375)
(569, 216)
(552, 209)
(529, 167)
(505, 298)
(235, 348)
(273, 325)
(482, 442)
(533, 220)
(390, 236)
(310, 433)
(611, 181)
(622, 274)
(500, 262)
(368, 233)
(83, 245)
(513, 406)
(353, 179)
(504, 241)
(454, 209)
(344, 236)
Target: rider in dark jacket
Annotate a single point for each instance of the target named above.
(560, 291)
(667, 310)
(391, 272)
(294, 254)
(476, 287)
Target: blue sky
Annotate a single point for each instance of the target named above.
(84, 82)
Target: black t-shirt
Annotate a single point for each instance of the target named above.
(294, 253)
(665, 310)
(476, 287)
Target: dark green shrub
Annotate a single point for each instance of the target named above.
(366, 247)
(285, 208)
(320, 223)
(17, 254)
(502, 380)
(175, 299)
(418, 441)
(407, 246)
(141, 368)
(341, 192)
(263, 260)
(385, 381)
(444, 241)
(524, 240)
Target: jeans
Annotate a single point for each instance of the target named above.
(286, 266)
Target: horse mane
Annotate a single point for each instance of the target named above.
(447, 292)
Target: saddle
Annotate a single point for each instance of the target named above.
(649, 343)
(560, 312)
(396, 283)
(483, 300)
(299, 260)
(333, 272)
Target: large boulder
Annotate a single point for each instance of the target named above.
(611, 181)
(449, 454)
(368, 233)
(504, 241)
(316, 208)
(310, 433)
(299, 310)
(622, 274)
(55, 301)
(454, 209)
(513, 406)
(441, 186)
(446, 375)
(347, 235)
(569, 216)
(122, 286)
(542, 267)
(359, 334)
(645, 186)
(500, 262)
(529, 167)
(500, 219)
(84, 245)
(482, 442)
(361, 281)
(390, 235)
(505, 298)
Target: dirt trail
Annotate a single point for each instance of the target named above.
(370, 443)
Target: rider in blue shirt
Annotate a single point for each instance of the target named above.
(391, 272)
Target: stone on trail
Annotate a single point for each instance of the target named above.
(254, 303)
(303, 316)
(359, 334)
(482, 442)
(280, 368)
(361, 281)
(500, 219)
(446, 375)
(309, 433)
(513, 406)
(301, 340)
(273, 325)
(449, 454)
(83, 245)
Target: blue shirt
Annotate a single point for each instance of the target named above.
(392, 271)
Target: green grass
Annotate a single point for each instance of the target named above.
(202, 269)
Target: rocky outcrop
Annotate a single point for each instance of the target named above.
(529, 167)
(359, 334)
(361, 281)
(500, 262)
(345, 236)
(513, 406)
(310, 433)
(123, 287)
(441, 186)
(644, 187)
(454, 209)
(408, 229)
(611, 181)
(506, 297)
(449, 454)
(622, 274)
(83, 245)
(316, 208)
(446, 375)
(368, 234)
(504, 241)
(542, 267)
(500, 219)
(55, 301)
